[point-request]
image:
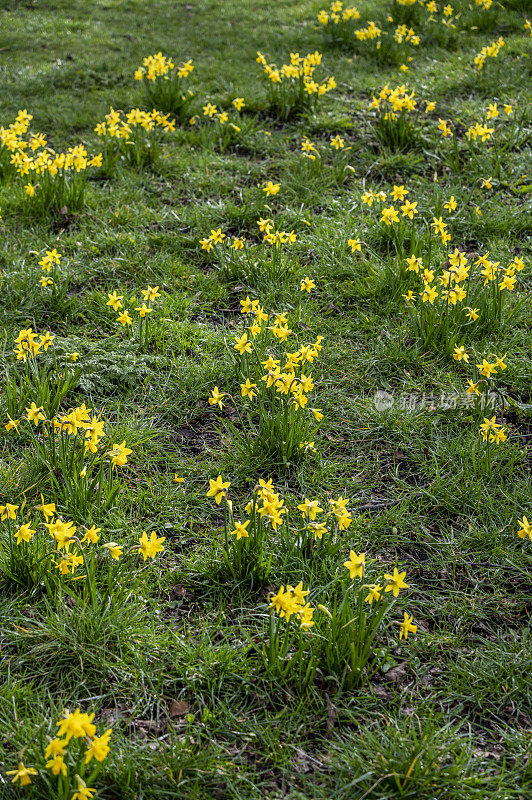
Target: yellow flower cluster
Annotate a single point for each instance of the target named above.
(370, 32)
(267, 510)
(157, 66)
(27, 343)
(79, 420)
(278, 383)
(273, 236)
(269, 235)
(71, 423)
(394, 582)
(270, 508)
(211, 112)
(11, 137)
(300, 70)
(150, 295)
(339, 512)
(393, 101)
(290, 602)
(452, 279)
(489, 51)
(284, 378)
(370, 196)
(310, 150)
(389, 215)
(48, 263)
(31, 154)
(447, 14)
(120, 126)
(405, 34)
(50, 258)
(402, 34)
(218, 237)
(485, 370)
(162, 84)
(490, 430)
(337, 14)
(479, 131)
(66, 536)
(73, 725)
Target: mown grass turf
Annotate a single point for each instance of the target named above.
(449, 715)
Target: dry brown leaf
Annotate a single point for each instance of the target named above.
(178, 708)
(397, 673)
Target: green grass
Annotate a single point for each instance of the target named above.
(448, 715)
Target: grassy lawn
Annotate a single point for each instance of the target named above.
(395, 252)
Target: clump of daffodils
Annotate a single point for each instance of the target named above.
(68, 756)
(489, 51)
(270, 235)
(134, 136)
(482, 386)
(441, 19)
(217, 127)
(139, 323)
(34, 551)
(337, 20)
(371, 32)
(49, 264)
(29, 344)
(392, 102)
(41, 376)
(67, 442)
(480, 131)
(341, 640)
(484, 142)
(336, 14)
(406, 209)
(484, 397)
(278, 419)
(291, 602)
(492, 431)
(239, 257)
(464, 293)
(54, 179)
(406, 35)
(266, 521)
(394, 113)
(293, 88)
(72, 441)
(448, 289)
(390, 43)
(335, 156)
(163, 82)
